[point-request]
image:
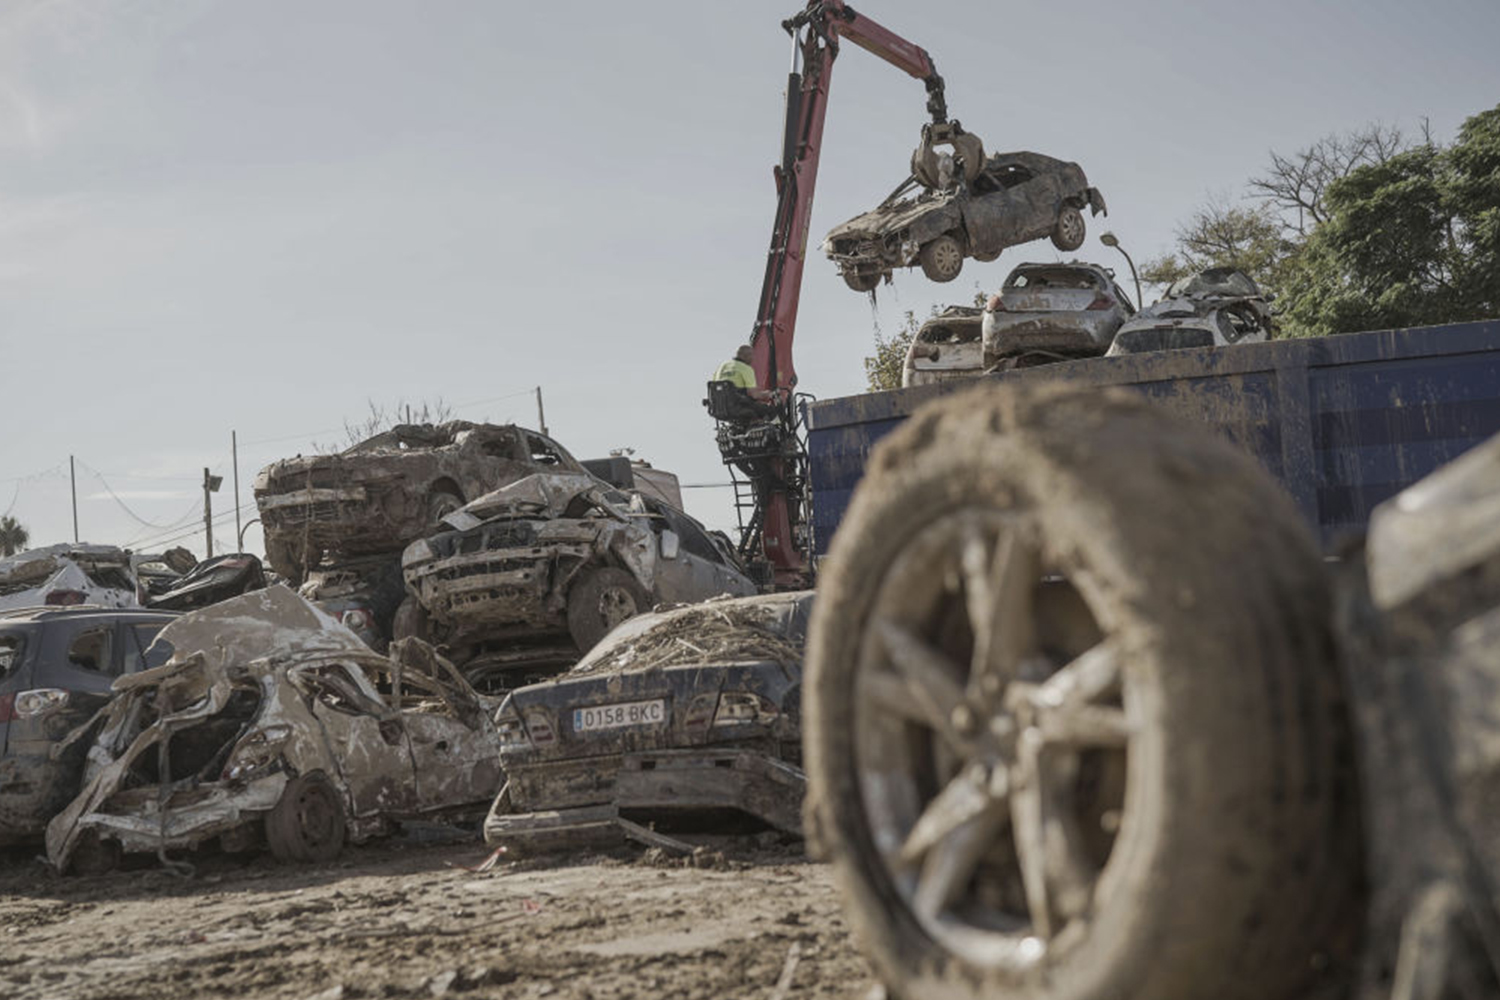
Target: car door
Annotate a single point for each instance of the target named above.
(368, 740)
(696, 570)
(454, 753)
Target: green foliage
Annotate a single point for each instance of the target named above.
(1248, 239)
(1473, 196)
(883, 370)
(13, 536)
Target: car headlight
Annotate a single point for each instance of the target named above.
(737, 707)
(258, 752)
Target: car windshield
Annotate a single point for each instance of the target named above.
(1214, 281)
(1036, 278)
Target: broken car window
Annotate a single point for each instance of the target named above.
(1061, 277)
(91, 649)
(543, 452)
(332, 686)
(140, 654)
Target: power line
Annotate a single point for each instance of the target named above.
(121, 503)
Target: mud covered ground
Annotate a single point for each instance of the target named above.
(405, 919)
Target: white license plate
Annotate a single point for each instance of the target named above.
(629, 713)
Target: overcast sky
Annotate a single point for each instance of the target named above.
(257, 216)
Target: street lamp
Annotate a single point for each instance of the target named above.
(1110, 240)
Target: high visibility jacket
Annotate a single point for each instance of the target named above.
(736, 371)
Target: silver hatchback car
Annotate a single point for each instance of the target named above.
(1053, 312)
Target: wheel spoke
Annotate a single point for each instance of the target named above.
(1004, 629)
(1086, 678)
(1027, 813)
(969, 794)
(951, 862)
(929, 680)
(1087, 726)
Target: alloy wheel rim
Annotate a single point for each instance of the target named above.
(992, 740)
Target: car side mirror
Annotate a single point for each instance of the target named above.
(670, 544)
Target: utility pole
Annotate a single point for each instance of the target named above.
(73, 479)
(541, 416)
(211, 484)
(234, 453)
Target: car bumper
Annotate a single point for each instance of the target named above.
(1081, 333)
(588, 795)
(143, 826)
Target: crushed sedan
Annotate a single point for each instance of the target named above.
(1016, 198)
(947, 346)
(1212, 308)
(1053, 312)
(684, 715)
(538, 571)
(383, 493)
(272, 723)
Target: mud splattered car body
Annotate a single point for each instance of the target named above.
(262, 694)
(505, 589)
(1058, 311)
(384, 492)
(693, 710)
(56, 667)
(1213, 308)
(1017, 197)
(64, 574)
(947, 346)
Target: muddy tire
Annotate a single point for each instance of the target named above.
(94, 855)
(1069, 231)
(987, 258)
(410, 620)
(1073, 721)
(602, 599)
(285, 558)
(861, 282)
(441, 503)
(941, 259)
(307, 823)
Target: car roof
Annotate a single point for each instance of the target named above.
(51, 613)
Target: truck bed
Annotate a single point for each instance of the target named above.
(1342, 422)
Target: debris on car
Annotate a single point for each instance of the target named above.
(1212, 308)
(1015, 198)
(210, 581)
(273, 723)
(946, 346)
(68, 573)
(56, 667)
(689, 714)
(1053, 312)
(362, 592)
(385, 492)
(539, 571)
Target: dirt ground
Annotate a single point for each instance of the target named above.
(406, 919)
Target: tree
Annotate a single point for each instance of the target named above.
(883, 370)
(1297, 184)
(1219, 234)
(13, 536)
(382, 418)
(1473, 196)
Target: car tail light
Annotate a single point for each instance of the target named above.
(700, 713)
(64, 597)
(31, 704)
(995, 304)
(539, 728)
(1101, 301)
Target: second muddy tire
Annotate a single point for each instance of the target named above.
(307, 823)
(941, 258)
(1189, 604)
(1069, 230)
(601, 599)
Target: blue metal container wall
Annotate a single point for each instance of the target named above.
(1343, 422)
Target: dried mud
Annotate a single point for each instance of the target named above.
(399, 919)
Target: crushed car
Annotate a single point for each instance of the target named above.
(68, 573)
(56, 668)
(945, 347)
(537, 572)
(273, 724)
(215, 579)
(687, 714)
(1053, 312)
(383, 493)
(1212, 308)
(361, 592)
(1015, 198)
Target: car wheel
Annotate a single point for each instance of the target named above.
(1066, 665)
(987, 258)
(307, 822)
(441, 503)
(285, 558)
(598, 602)
(1068, 233)
(941, 259)
(94, 855)
(862, 282)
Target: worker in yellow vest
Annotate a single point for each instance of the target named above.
(738, 372)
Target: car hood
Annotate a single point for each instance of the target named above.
(890, 218)
(540, 495)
